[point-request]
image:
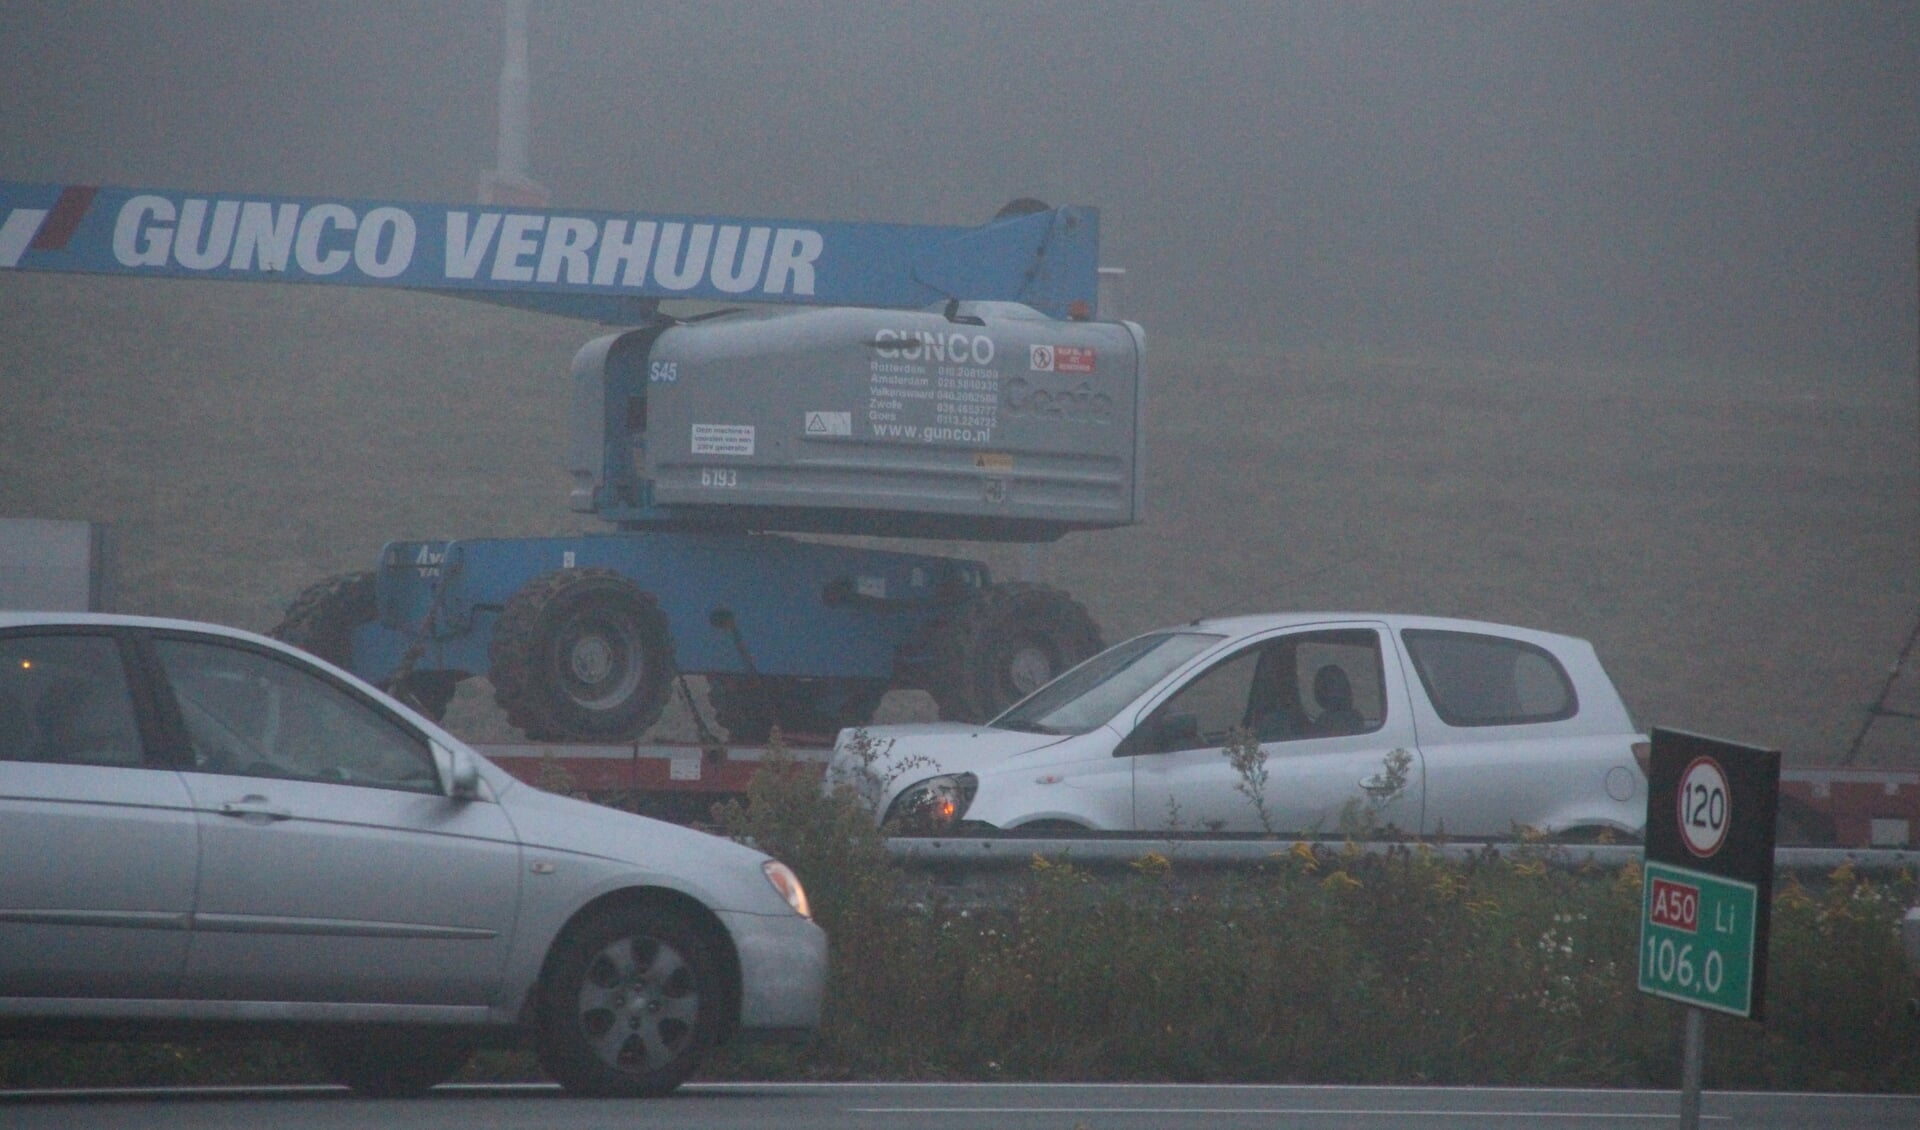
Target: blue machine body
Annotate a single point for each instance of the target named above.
(801, 608)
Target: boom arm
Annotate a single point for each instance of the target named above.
(599, 266)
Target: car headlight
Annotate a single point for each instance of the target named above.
(933, 805)
(788, 884)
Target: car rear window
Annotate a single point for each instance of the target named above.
(1481, 680)
(65, 699)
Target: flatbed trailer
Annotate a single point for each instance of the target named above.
(1843, 806)
(662, 767)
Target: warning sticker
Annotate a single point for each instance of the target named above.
(723, 439)
(829, 423)
(1060, 358)
(1072, 359)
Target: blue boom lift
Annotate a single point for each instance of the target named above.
(941, 383)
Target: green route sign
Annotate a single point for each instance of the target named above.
(1707, 896)
(1697, 938)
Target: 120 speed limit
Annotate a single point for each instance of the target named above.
(1705, 807)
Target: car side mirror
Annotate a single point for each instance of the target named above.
(459, 776)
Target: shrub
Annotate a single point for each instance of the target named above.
(1330, 963)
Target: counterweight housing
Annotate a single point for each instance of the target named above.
(978, 420)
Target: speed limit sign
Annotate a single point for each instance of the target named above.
(1707, 897)
(1704, 807)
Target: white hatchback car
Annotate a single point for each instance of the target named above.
(1425, 725)
(204, 827)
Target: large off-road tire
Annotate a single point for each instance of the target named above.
(749, 706)
(582, 654)
(631, 1000)
(1001, 646)
(322, 619)
(429, 692)
(392, 1063)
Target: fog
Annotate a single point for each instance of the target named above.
(1708, 183)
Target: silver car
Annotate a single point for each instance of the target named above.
(203, 826)
(1334, 721)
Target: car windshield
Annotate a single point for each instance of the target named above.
(1090, 694)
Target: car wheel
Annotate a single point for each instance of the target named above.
(630, 1003)
(814, 707)
(581, 653)
(1001, 646)
(391, 1064)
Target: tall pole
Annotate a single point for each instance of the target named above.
(512, 160)
(511, 181)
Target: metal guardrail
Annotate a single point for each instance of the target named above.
(991, 853)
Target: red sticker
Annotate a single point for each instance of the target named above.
(1072, 359)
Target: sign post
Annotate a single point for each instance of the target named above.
(1707, 896)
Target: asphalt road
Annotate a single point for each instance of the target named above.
(966, 1106)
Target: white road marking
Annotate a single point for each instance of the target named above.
(1395, 1112)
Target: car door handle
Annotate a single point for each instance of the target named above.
(254, 807)
(1390, 780)
(1380, 785)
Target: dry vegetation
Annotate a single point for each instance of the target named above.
(1739, 544)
